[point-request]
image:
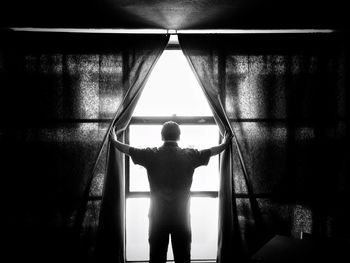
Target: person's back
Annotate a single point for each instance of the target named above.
(170, 171)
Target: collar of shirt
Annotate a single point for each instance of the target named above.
(170, 143)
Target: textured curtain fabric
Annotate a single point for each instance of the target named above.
(111, 230)
(205, 66)
(285, 97)
(60, 92)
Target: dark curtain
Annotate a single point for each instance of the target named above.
(111, 230)
(286, 99)
(60, 92)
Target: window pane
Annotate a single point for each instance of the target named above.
(193, 136)
(204, 221)
(142, 137)
(164, 91)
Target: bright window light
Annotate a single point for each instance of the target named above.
(164, 92)
(172, 89)
(204, 223)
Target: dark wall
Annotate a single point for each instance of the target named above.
(288, 96)
(59, 91)
(58, 95)
(178, 14)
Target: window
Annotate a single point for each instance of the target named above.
(173, 93)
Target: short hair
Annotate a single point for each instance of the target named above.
(171, 131)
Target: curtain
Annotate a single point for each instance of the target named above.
(60, 92)
(206, 72)
(285, 98)
(111, 229)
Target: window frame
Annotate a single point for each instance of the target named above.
(159, 120)
(181, 120)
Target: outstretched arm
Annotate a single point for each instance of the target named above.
(218, 149)
(124, 148)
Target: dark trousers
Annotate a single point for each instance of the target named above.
(180, 240)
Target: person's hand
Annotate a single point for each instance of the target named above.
(112, 135)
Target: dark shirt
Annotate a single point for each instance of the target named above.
(170, 171)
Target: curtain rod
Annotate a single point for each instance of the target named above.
(173, 31)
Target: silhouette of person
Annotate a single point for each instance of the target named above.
(170, 171)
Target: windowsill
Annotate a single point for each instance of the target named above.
(171, 261)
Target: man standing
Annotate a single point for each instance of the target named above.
(170, 170)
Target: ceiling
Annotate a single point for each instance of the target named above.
(174, 14)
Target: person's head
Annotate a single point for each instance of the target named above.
(171, 131)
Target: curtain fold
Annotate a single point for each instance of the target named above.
(206, 67)
(284, 96)
(110, 245)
